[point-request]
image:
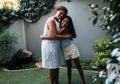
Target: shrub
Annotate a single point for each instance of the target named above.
(110, 18)
(7, 43)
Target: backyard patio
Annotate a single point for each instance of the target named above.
(97, 25)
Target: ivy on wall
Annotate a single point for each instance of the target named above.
(32, 10)
(8, 12)
(29, 10)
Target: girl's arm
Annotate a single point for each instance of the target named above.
(63, 30)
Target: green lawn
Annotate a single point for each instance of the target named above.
(40, 76)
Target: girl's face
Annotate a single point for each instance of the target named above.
(65, 22)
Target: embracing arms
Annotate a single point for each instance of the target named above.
(54, 34)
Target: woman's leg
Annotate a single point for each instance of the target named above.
(78, 66)
(54, 73)
(69, 65)
(57, 76)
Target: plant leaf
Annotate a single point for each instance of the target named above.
(95, 21)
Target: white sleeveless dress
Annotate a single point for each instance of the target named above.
(52, 52)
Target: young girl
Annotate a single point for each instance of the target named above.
(70, 50)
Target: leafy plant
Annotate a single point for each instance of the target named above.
(101, 45)
(32, 10)
(111, 23)
(7, 43)
(102, 53)
(29, 10)
(109, 15)
(110, 18)
(8, 12)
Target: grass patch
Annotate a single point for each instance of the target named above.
(41, 76)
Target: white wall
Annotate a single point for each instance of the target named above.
(19, 30)
(86, 32)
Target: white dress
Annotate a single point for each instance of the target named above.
(52, 52)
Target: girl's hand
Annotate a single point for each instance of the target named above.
(63, 31)
(42, 36)
(69, 36)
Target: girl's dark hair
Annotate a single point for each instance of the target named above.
(71, 26)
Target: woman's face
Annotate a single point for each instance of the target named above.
(60, 14)
(64, 22)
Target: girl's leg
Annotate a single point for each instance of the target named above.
(78, 66)
(69, 65)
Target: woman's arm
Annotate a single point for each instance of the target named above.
(46, 37)
(50, 38)
(62, 31)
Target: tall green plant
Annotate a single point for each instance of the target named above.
(110, 18)
(102, 53)
(7, 44)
